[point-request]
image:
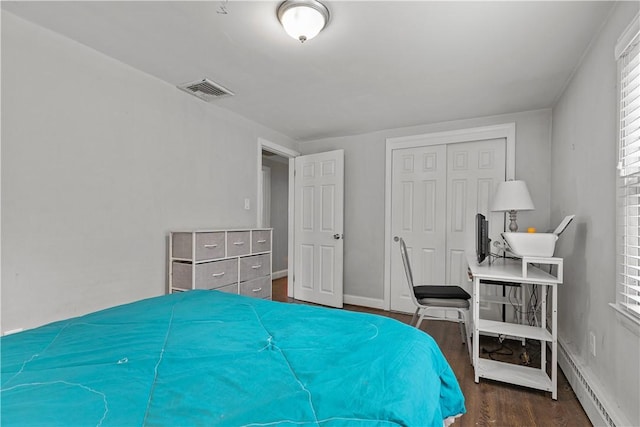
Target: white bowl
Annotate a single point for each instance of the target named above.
(531, 244)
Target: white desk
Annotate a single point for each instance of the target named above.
(507, 270)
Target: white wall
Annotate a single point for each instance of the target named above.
(99, 163)
(365, 183)
(584, 182)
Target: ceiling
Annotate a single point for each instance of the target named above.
(377, 65)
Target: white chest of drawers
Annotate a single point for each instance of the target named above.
(234, 260)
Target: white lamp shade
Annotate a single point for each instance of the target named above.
(303, 20)
(512, 196)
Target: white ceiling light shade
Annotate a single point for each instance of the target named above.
(303, 19)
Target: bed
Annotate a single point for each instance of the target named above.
(211, 358)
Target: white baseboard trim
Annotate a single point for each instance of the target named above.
(364, 301)
(279, 274)
(600, 410)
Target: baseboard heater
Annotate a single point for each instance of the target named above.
(600, 412)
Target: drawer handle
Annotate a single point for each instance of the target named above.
(262, 241)
(256, 290)
(255, 267)
(218, 274)
(238, 243)
(211, 246)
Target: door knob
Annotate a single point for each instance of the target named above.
(338, 236)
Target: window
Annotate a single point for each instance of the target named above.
(628, 282)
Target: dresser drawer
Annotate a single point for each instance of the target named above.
(212, 275)
(181, 275)
(258, 288)
(181, 246)
(209, 245)
(260, 241)
(238, 243)
(255, 266)
(232, 289)
(208, 275)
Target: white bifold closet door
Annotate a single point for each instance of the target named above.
(436, 191)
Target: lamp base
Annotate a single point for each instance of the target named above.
(513, 225)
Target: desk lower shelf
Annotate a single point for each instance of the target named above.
(514, 330)
(514, 374)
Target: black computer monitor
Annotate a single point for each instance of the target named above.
(482, 238)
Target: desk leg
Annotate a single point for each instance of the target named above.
(542, 291)
(554, 342)
(476, 331)
(524, 319)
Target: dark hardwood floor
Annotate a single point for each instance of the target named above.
(489, 403)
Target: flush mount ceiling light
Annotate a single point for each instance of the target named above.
(303, 19)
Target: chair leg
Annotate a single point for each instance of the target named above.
(461, 321)
(415, 316)
(420, 319)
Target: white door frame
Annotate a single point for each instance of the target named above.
(266, 197)
(290, 154)
(507, 131)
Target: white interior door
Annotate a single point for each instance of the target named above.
(319, 228)
(436, 190)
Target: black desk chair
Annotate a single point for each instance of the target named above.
(441, 298)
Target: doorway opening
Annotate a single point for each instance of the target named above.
(275, 205)
(315, 221)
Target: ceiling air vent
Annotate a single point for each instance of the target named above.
(205, 89)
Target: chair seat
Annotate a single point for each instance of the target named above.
(440, 292)
(445, 302)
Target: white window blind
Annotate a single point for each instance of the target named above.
(628, 54)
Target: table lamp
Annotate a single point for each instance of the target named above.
(512, 196)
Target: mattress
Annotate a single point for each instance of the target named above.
(211, 358)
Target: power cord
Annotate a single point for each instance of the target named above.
(529, 354)
(503, 350)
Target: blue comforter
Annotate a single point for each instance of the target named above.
(210, 358)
